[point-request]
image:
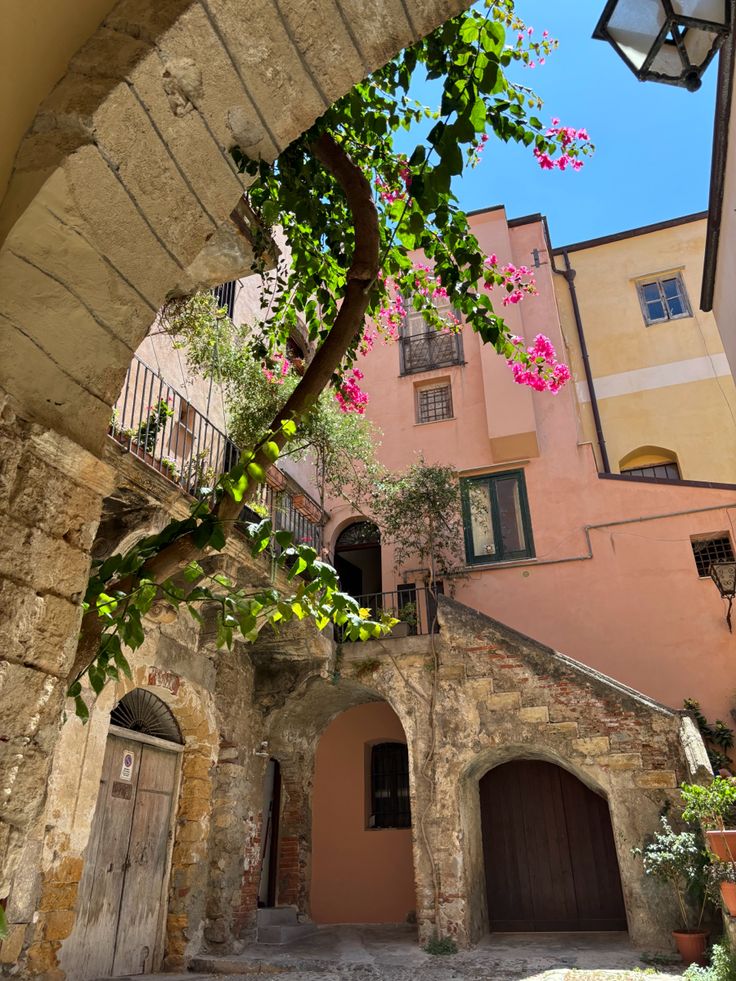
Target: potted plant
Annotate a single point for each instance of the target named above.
(714, 808)
(722, 883)
(679, 859)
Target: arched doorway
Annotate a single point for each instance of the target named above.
(122, 893)
(358, 559)
(362, 858)
(550, 857)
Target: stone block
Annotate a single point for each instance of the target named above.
(534, 713)
(38, 630)
(503, 701)
(621, 761)
(47, 564)
(23, 778)
(30, 704)
(58, 924)
(592, 745)
(11, 947)
(56, 896)
(562, 728)
(45, 499)
(656, 779)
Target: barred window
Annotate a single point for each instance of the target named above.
(716, 548)
(390, 807)
(662, 471)
(434, 403)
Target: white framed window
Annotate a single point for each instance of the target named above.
(434, 402)
(663, 298)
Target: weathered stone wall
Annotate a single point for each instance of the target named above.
(50, 499)
(502, 696)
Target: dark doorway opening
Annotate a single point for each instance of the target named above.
(270, 825)
(550, 857)
(358, 559)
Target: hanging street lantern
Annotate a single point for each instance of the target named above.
(723, 575)
(670, 41)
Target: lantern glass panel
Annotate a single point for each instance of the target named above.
(724, 574)
(699, 45)
(667, 60)
(634, 26)
(710, 10)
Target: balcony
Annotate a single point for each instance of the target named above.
(413, 606)
(432, 349)
(154, 422)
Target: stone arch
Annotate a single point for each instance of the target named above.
(594, 778)
(293, 732)
(68, 827)
(123, 187)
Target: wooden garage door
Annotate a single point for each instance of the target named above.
(549, 853)
(122, 891)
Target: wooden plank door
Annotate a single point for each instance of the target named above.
(550, 857)
(89, 951)
(145, 876)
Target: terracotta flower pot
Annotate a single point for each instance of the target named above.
(722, 844)
(728, 895)
(691, 945)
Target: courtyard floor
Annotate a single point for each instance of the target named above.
(377, 953)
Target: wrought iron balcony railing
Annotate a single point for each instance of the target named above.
(415, 607)
(154, 422)
(433, 349)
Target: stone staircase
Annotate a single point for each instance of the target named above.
(281, 925)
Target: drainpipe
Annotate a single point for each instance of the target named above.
(568, 273)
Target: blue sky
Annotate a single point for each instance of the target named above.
(653, 142)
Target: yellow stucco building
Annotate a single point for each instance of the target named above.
(662, 392)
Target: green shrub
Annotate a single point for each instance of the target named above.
(442, 945)
(722, 966)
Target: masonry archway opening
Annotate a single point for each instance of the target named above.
(358, 559)
(119, 928)
(362, 859)
(548, 850)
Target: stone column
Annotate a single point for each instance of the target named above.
(295, 829)
(51, 494)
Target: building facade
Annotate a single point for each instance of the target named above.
(661, 382)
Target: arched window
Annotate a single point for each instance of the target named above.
(142, 711)
(651, 461)
(390, 807)
(358, 561)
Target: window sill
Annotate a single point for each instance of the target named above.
(500, 564)
(669, 320)
(432, 422)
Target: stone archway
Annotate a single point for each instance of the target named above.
(71, 807)
(123, 190)
(549, 855)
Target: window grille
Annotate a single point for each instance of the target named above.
(142, 711)
(434, 403)
(390, 807)
(662, 471)
(663, 299)
(718, 548)
(225, 296)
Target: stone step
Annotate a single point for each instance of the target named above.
(277, 916)
(284, 934)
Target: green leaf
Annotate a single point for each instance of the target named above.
(271, 451)
(80, 708)
(193, 571)
(284, 538)
(288, 427)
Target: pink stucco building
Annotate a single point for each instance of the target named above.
(599, 566)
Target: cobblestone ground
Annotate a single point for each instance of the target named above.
(392, 954)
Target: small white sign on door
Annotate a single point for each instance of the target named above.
(126, 770)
